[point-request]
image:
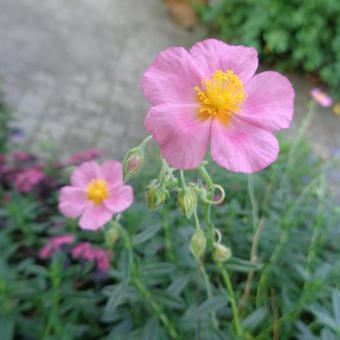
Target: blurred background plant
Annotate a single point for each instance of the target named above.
(300, 35)
(55, 282)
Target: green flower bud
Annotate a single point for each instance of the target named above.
(221, 252)
(170, 182)
(187, 201)
(198, 243)
(155, 195)
(133, 162)
(112, 235)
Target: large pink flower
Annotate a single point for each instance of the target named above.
(210, 95)
(96, 194)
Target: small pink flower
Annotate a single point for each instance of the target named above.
(21, 156)
(83, 250)
(103, 260)
(96, 194)
(83, 156)
(26, 180)
(3, 158)
(210, 95)
(54, 244)
(321, 97)
(87, 252)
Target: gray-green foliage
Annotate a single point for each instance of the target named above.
(296, 289)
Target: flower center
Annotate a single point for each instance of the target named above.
(220, 96)
(97, 191)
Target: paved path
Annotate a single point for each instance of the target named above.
(72, 68)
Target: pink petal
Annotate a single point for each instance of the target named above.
(111, 172)
(242, 147)
(72, 201)
(270, 101)
(212, 55)
(95, 217)
(46, 252)
(83, 175)
(120, 198)
(171, 78)
(182, 137)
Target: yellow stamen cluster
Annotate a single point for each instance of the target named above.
(220, 96)
(97, 191)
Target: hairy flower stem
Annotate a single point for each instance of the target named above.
(206, 177)
(143, 290)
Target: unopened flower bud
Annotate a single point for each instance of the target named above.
(155, 195)
(198, 243)
(221, 252)
(112, 234)
(133, 162)
(187, 201)
(170, 182)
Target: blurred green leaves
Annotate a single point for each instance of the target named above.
(294, 35)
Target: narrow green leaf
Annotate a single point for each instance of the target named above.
(146, 235)
(336, 305)
(151, 329)
(167, 299)
(178, 285)
(7, 328)
(213, 304)
(239, 265)
(157, 269)
(254, 319)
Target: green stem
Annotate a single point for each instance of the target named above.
(253, 202)
(56, 280)
(143, 290)
(209, 293)
(206, 177)
(232, 300)
(145, 141)
(168, 245)
(286, 225)
(208, 181)
(184, 186)
(197, 221)
(293, 314)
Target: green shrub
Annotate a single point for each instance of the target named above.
(294, 34)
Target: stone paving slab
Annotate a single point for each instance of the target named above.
(72, 69)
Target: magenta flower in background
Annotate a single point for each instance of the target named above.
(3, 159)
(103, 260)
(211, 95)
(27, 179)
(87, 252)
(84, 156)
(321, 97)
(83, 250)
(21, 156)
(96, 194)
(55, 244)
